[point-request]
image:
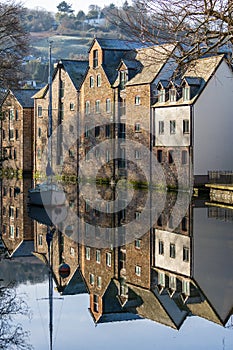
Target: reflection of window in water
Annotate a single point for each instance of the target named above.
(98, 256)
(108, 259)
(92, 279)
(172, 251)
(161, 279)
(87, 253)
(185, 254)
(172, 282)
(99, 282)
(96, 303)
(138, 270)
(186, 287)
(137, 243)
(161, 247)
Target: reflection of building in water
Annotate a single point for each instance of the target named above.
(16, 226)
(177, 269)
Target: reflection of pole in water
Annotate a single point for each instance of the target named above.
(49, 239)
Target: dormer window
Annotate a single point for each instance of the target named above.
(161, 95)
(172, 95)
(186, 93)
(95, 58)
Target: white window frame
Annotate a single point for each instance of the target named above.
(12, 231)
(98, 80)
(88, 253)
(97, 106)
(161, 127)
(138, 270)
(92, 81)
(87, 108)
(108, 105)
(98, 256)
(109, 259)
(137, 100)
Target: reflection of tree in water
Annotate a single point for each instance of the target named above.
(12, 334)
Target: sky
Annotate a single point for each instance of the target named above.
(51, 5)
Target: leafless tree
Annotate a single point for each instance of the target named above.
(197, 27)
(12, 335)
(13, 43)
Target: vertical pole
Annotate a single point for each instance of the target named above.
(50, 126)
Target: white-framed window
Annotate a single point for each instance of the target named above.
(98, 80)
(172, 250)
(96, 303)
(138, 270)
(184, 157)
(39, 111)
(172, 95)
(161, 279)
(72, 251)
(108, 259)
(123, 78)
(172, 126)
(88, 253)
(108, 105)
(186, 254)
(137, 127)
(98, 256)
(92, 279)
(107, 155)
(95, 58)
(11, 134)
(137, 243)
(161, 95)
(186, 93)
(40, 240)
(137, 100)
(87, 107)
(71, 106)
(97, 106)
(11, 212)
(186, 287)
(137, 215)
(172, 282)
(11, 114)
(161, 127)
(92, 81)
(186, 126)
(99, 282)
(86, 134)
(161, 247)
(12, 231)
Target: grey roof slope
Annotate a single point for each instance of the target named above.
(76, 70)
(118, 44)
(24, 96)
(24, 249)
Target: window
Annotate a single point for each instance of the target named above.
(161, 247)
(87, 107)
(172, 95)
(185, 254)
(39, 132)
(15, 153)
(161, 127)
(97, 255)
(186, 126)
(108, 105)
(88, 253)
(17, 232)
(97, 106)
(184, 224)
(4, 229)
(108, 259)
(123, 79)
(170, 157)
(99, 282)
(87, 154)
(98, 80)
(121, 161)
(71, 106)
(160, 220)
(184, 157)
(121, 133)
(97, 131)
(172, 126)
(97, 153)
(137, 215)
(170, 221)
(12, 231)
(161, 279)
(107, 155)
(17, 134)
(137, 100)
(39, 111)
(162, 95)
(92, 279)
(137, 127)
(16, 114)
(3, 134)
(107, 131)
(11, 212)
(138, 270)
(86, 133)
(40, 240)
(39, 153)
(172, 251)
(96, 303)
(172, 282)
(95, 58)
(185, 287)
(159, 156)
(11, 134)
(137, 154)
(17, 213)
(186, 93)
(137, 243)
(92, 82)
(11, 114)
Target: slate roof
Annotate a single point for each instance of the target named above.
(76, 285)
(25, 248)
(118, 44)
(24, 96)
(76, 71)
